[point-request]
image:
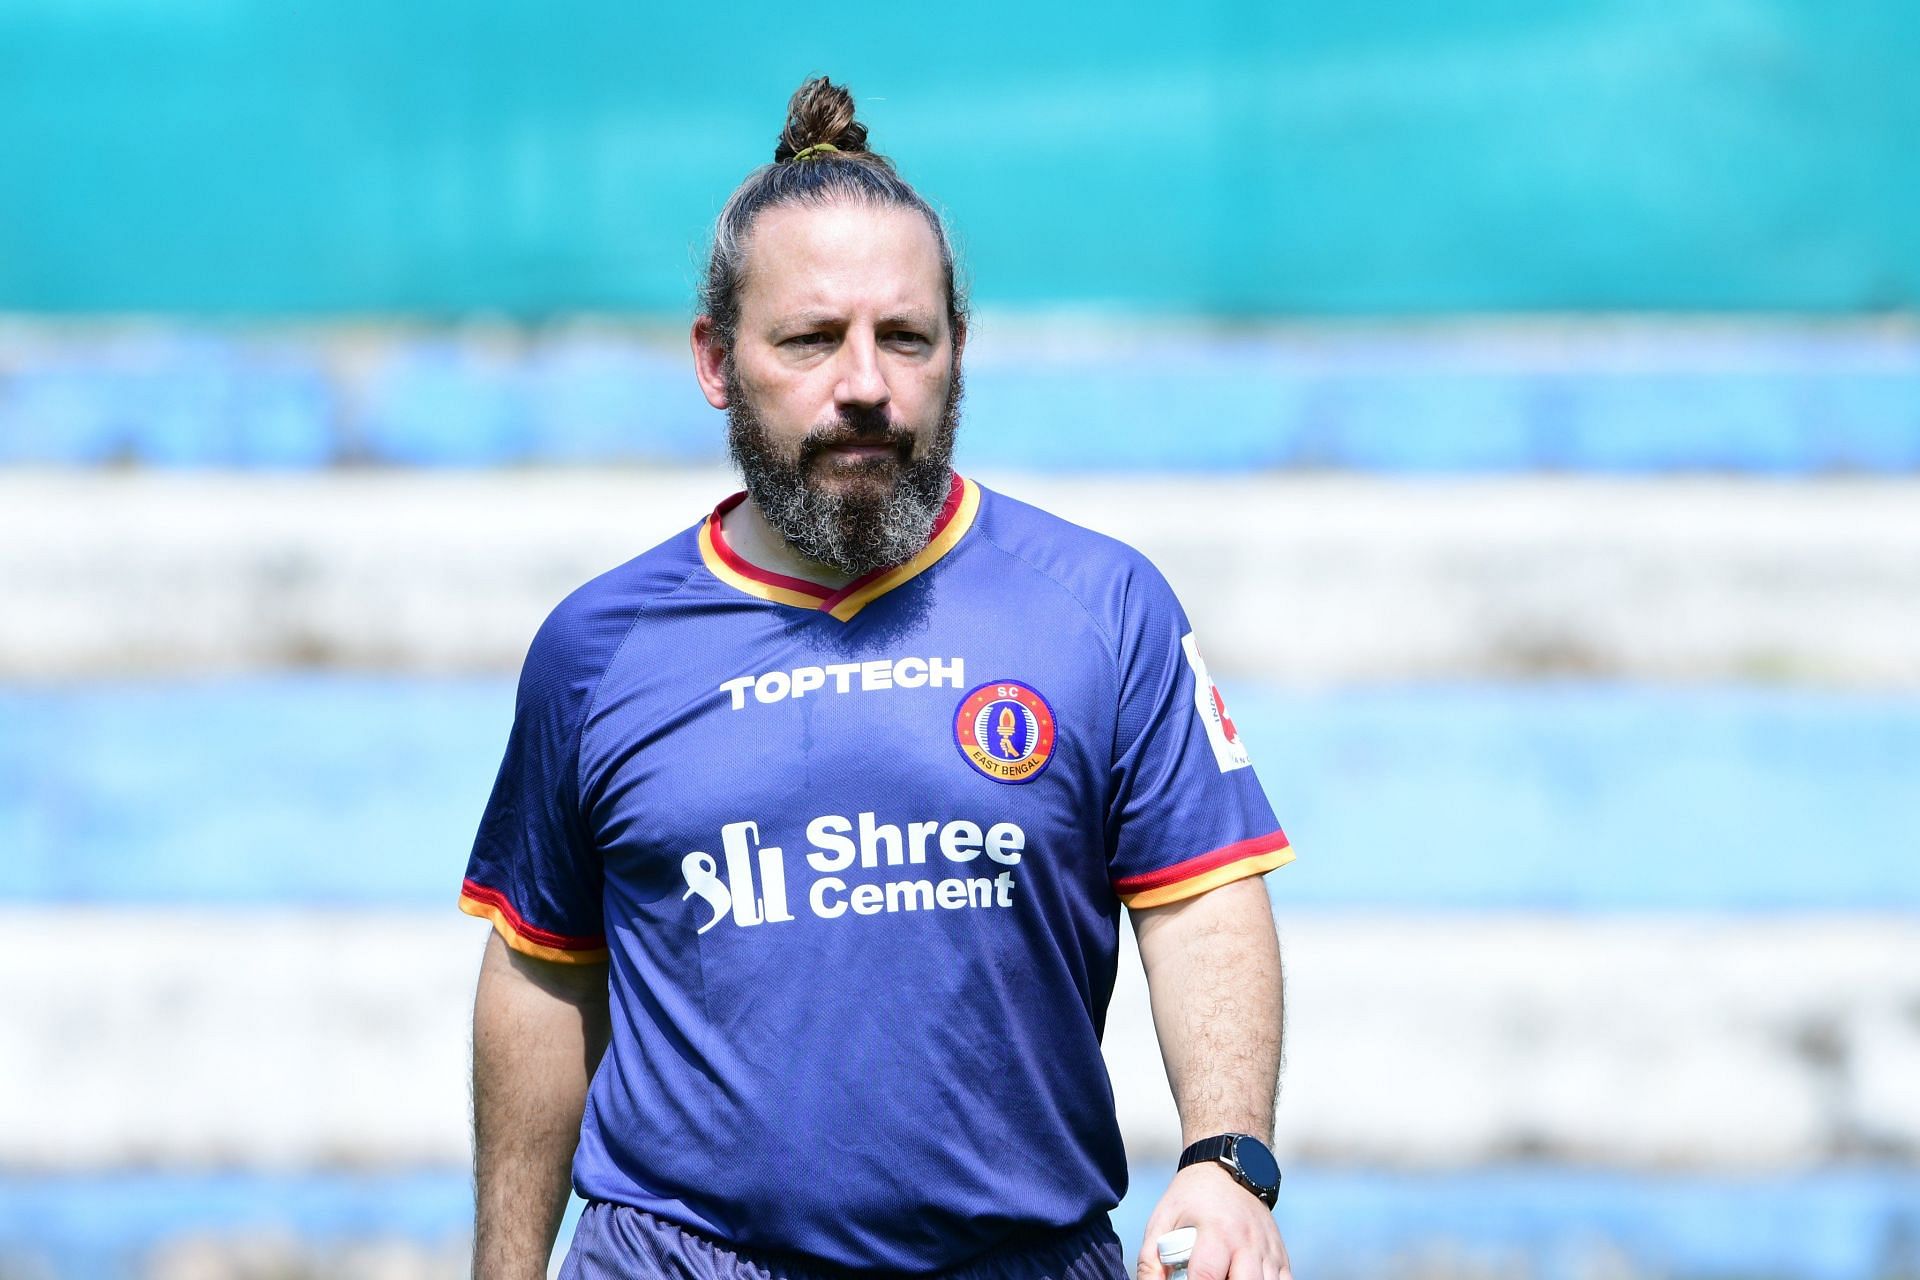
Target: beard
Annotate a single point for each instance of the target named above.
(879, 510)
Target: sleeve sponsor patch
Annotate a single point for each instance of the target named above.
(1228, 751)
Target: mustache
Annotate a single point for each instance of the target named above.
(863, 428)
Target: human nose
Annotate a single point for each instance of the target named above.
(862, 381)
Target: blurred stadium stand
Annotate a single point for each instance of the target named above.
(1560, 366)
(1766, 400)
(1576, 797)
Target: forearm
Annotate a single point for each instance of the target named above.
(538, 1033)
(1213, 973)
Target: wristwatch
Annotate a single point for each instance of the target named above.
(1243, 1156)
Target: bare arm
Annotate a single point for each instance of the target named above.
(539, 1029)
(1213, 973)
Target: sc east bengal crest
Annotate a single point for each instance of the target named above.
(1005, 730)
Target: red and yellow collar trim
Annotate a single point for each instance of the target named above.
(956, 517)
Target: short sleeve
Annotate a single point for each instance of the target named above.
(534, 871)
(1186, 813)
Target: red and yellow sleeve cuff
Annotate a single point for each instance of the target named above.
(541, 944)
(1207, 871)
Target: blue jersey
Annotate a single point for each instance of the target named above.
(856, 858)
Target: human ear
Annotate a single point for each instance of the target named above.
(709, 361)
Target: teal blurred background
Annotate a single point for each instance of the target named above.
(1524, 399)
(1222, 159)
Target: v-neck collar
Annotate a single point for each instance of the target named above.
(726, 564)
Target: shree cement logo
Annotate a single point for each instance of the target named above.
(748, 882)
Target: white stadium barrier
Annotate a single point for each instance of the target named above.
(1306, 580)
(287, 1040)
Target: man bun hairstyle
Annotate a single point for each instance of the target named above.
(821, 157)
(820, 115)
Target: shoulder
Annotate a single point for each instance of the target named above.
(582, 633)
(1112, 580)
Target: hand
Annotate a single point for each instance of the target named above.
(1238, 1238)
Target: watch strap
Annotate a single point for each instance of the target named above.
(1214, 1148)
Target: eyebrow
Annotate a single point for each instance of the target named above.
(811, 319)
(807, 319)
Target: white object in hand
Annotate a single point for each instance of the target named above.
(1175, 1248)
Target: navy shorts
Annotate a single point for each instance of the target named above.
(619, 1242)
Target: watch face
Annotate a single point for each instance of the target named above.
(1256, 1162)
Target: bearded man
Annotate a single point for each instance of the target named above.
(809, 849)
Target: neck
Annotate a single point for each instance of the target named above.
(760, 544)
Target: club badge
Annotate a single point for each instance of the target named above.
(1004, 729)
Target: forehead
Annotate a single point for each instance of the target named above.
(845, 257)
